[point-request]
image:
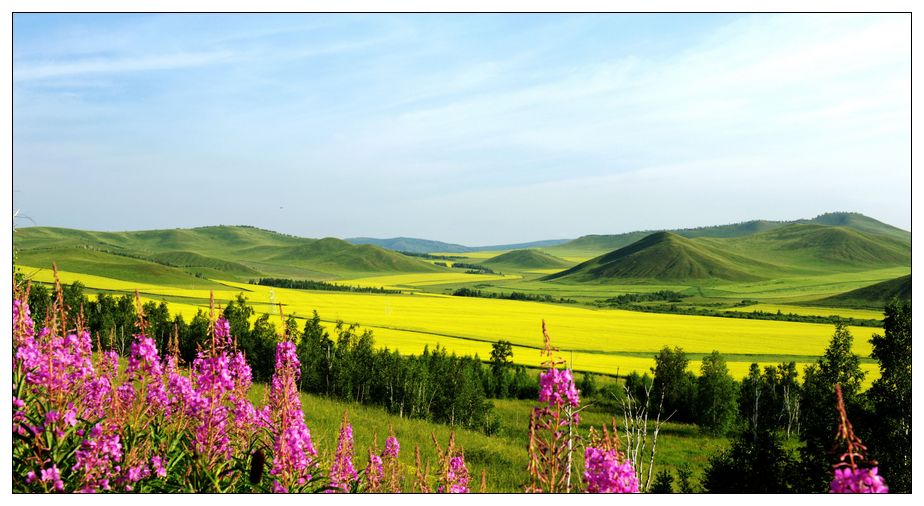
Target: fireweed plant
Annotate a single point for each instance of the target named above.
(383, 471)
(849, 477)
(552, 426)
(453, 475)
(83, 423)
(606, 469)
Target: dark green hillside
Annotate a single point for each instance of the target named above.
(595, 242)
(870, 297)
(340, 256)
(825, 246)
(860, 223)
(190, 259)
(525, 259)
(662, 256)
(98, 263)
(238, 251)
(853, 221)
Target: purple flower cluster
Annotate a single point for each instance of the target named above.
(859, 481)
(23, 327)
(603, 474)
(342, 473)
(375, 472)
(64, 387)
(293, 453)
(556, 386)
(392, 447)
(456, 478)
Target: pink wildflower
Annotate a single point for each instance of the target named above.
(556, 386)
(342, 473)
(861, 481)
(603, 474)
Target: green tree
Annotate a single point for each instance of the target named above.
(261, 349)
(716, 398)
(819, 417)
(588, 386)
(890, 443)
(678, 385)
(315, 353)
(501, 360)
(753, 465)
(664, 483)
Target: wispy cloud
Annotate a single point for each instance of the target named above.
(95, 66)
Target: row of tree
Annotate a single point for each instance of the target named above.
(771, 406)
(532, 297)
(307, 284)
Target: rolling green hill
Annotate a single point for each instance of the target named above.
(860, 223)
(821, 247)
(229, 252)
(784, 251)
(597, 244)
(870, 297)
(412, 245)
(662, 256)
(98, 263)
(523, 259)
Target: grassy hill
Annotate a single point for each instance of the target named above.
(597, 244)
(524, 259)
(412, 245)
(811, 246)
(228, 252)
(409, 244)
(875, 296)
(662, 256)
(860, 223)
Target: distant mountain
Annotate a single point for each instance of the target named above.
(225, 252)
(412, 245)
(662, 256)
(856, 221)
(523, 259)
(870, 297)
(409, 244)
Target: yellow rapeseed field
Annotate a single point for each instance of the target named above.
(862, 314)
(597, 340)
(399, 281)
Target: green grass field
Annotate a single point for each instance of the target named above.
(503, 455)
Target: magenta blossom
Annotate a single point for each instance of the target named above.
(603, 474)
(556, 386)
(861, 481)
(342, 472)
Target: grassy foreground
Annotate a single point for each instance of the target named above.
(503, 455)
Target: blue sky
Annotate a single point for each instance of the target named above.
(476, 129)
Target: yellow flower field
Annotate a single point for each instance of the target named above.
(398, 281)
(862, 314)
(597, 340)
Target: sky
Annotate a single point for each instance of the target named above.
(471, 129)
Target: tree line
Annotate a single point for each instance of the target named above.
(773, 405)
(307, 284)
(538, 297)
